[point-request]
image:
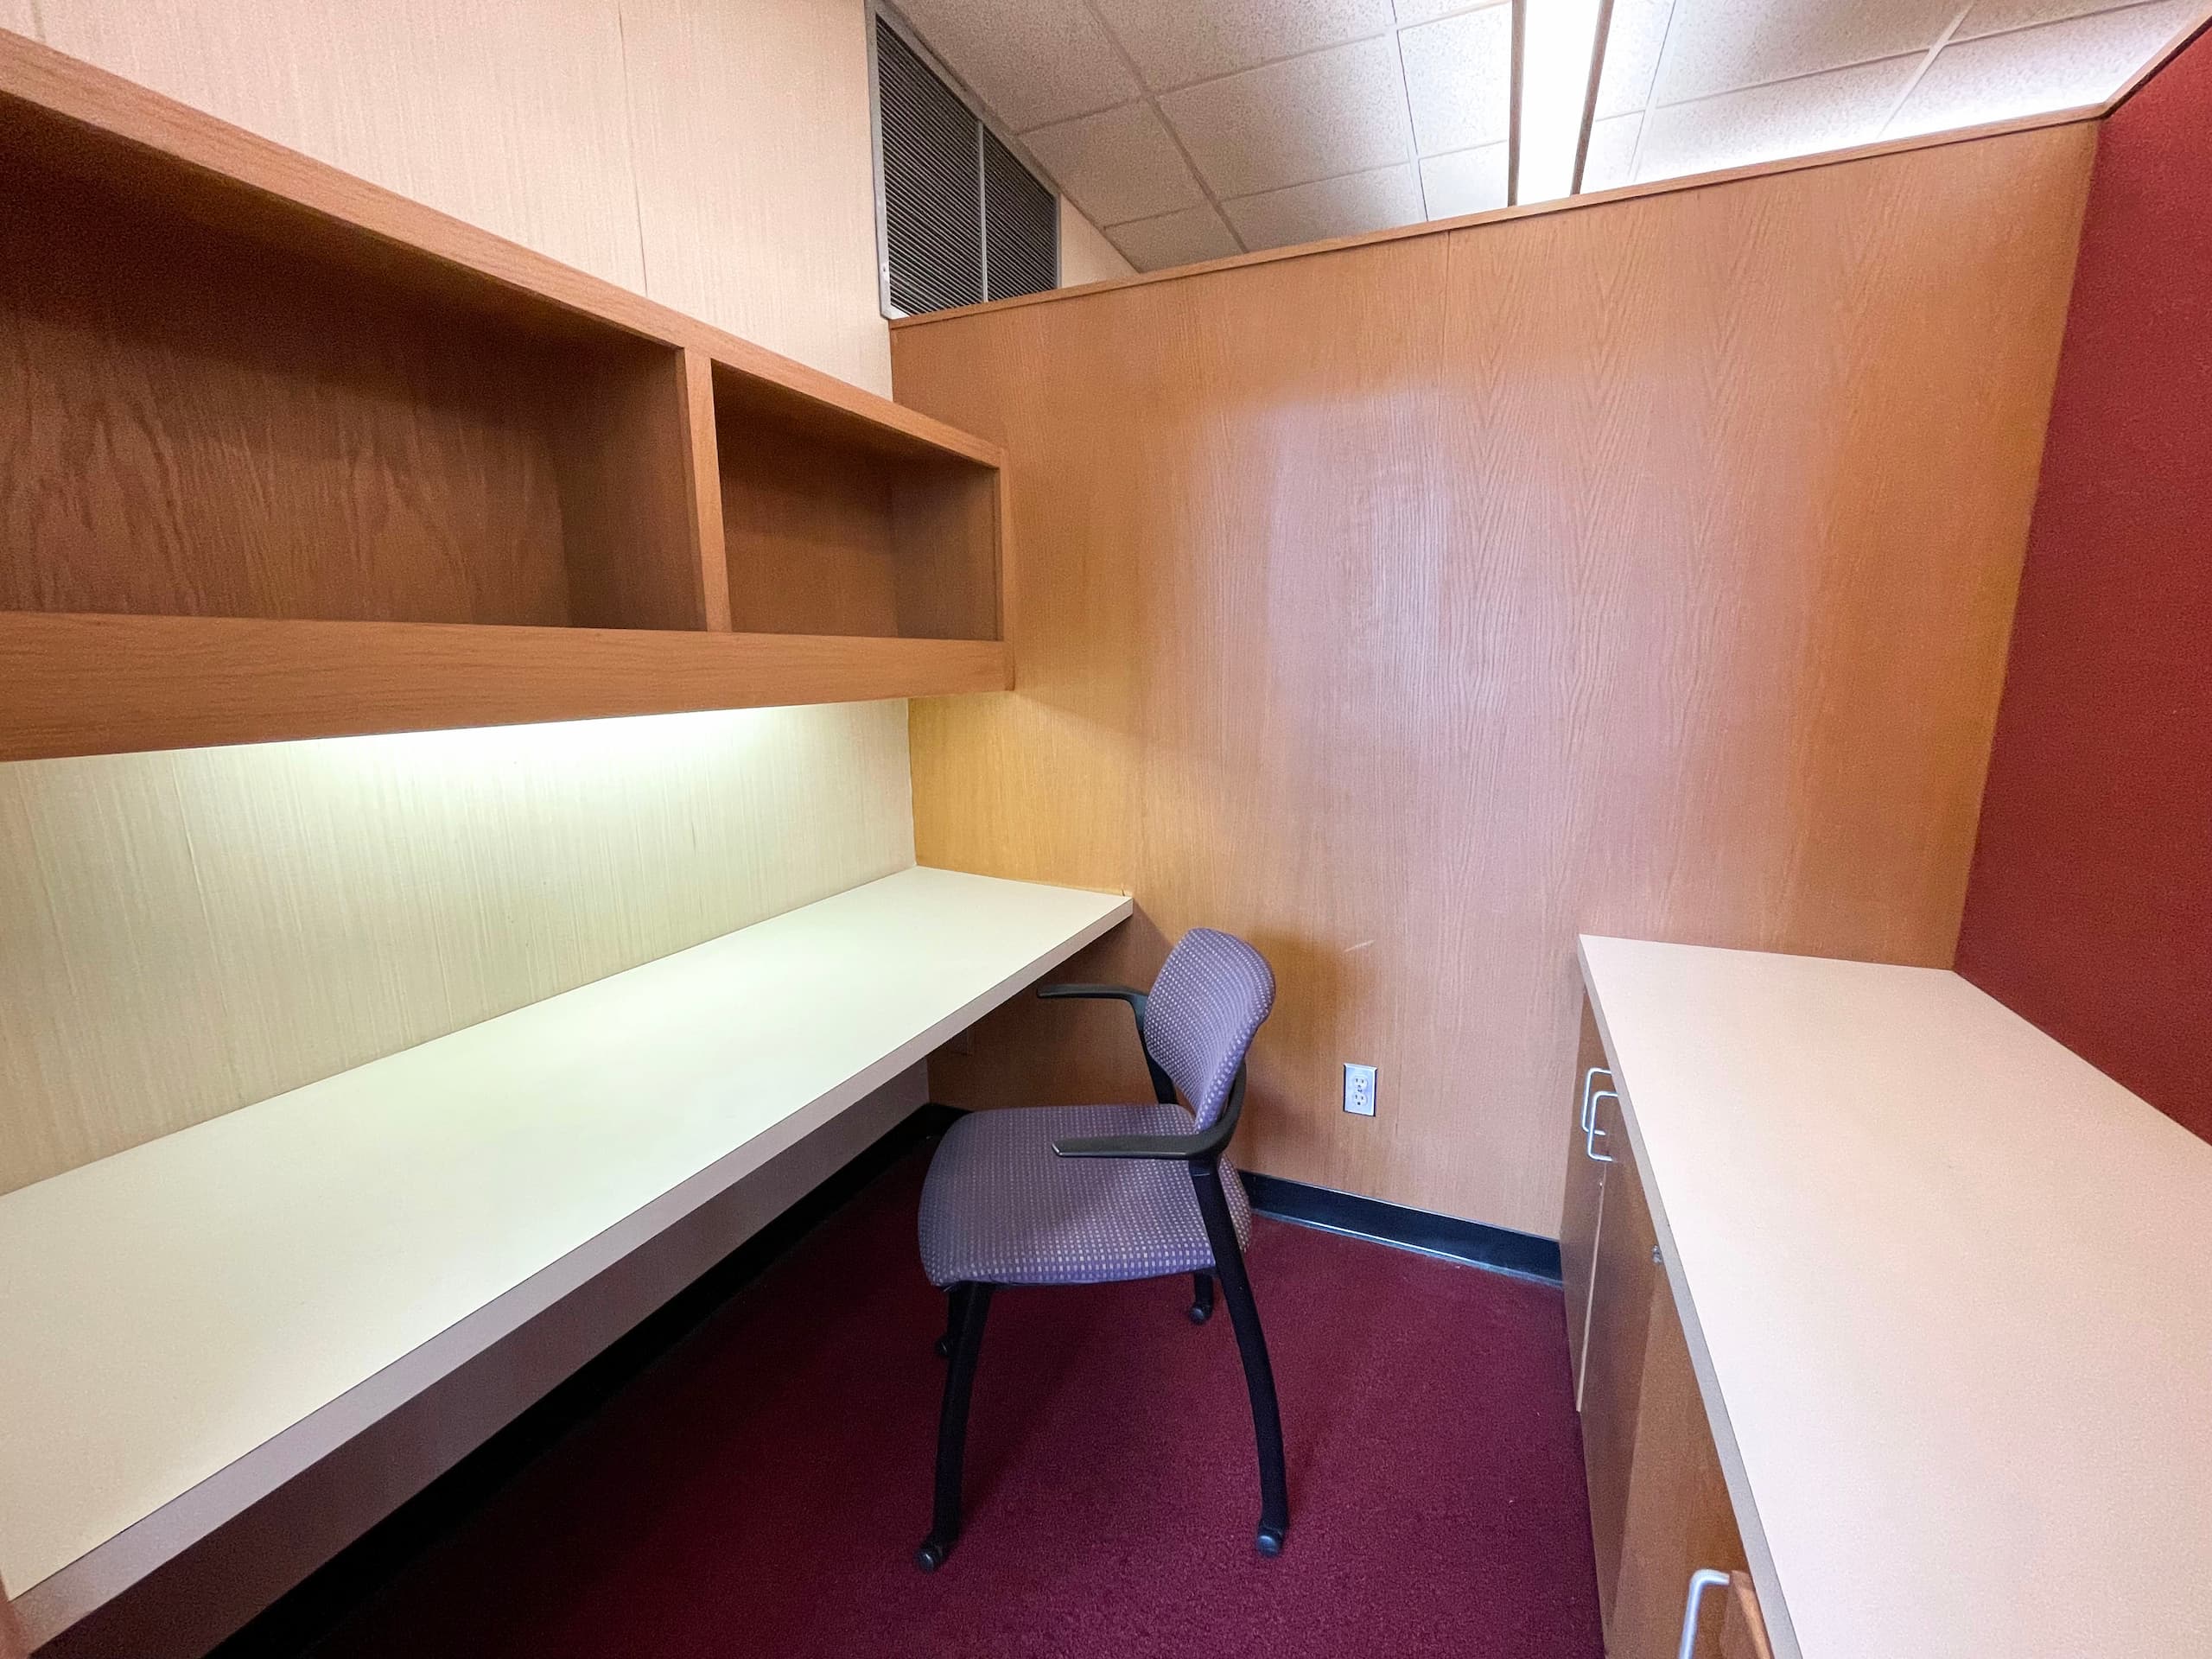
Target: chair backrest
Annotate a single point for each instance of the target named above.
(1200, 1016)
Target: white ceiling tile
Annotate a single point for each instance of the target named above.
(2033, 70)
(1467, 181)
(1117, 166)
(1427, 11)
(1718, 46)
(1184, 239)
(1792, 117)
(1459, 80)
(1175, 42)
(1994, 16)
(1341, 111)
(1611, 162)
(1632, 43)
(1313, 213)
(1040, 61)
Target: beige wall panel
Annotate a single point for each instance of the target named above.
(510, 114)
(756, 173)
(1641, 569)
(183, 934)
(713, 154)
(1085, 254)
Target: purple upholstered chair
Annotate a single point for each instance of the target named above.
(1083, 1195)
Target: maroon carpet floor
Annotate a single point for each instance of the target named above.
(760, 1489)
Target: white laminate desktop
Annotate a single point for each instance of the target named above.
(171, 1314)
(1947, 1291)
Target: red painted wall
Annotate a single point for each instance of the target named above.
(2090, 907)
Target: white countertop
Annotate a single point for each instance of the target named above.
(1948, 1290)
(166, 1311)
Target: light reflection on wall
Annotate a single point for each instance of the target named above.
(183, 934)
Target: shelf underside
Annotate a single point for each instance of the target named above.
(96, 684)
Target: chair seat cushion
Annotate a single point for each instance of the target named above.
(1000, 1208)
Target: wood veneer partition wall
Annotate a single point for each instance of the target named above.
(1641, 568)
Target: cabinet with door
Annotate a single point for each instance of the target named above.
(1669, 1557)
(1867, 1361)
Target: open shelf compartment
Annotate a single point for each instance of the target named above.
(200, 417)
(832, 531)
(288, 455)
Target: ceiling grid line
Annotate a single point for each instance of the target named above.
(1192, 128)
(1152, 98)
(1406, 97)
(1280, 59)
(1330, 178)
(1152, 94)
(1927, 62)
(1643, 115)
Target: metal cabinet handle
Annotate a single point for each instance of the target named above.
(1589, 1106)
(1704, 1578)
(1592, 1133)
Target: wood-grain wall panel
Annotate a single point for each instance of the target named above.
(512, 114)
(713, 154)
(756, 173)
(183, 934)
(1643, 568)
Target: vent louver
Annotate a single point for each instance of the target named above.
(1021, 224)
(949, 187)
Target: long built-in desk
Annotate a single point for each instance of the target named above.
(1936, 1287)
(190, 1326)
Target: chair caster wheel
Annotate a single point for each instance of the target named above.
(1269, 1541)
(931, 1556)
(1199, 1312)
(944, 1347)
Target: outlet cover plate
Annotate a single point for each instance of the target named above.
(1359, 1089)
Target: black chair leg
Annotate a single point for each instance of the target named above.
(951, 1324)
(1252, 1348)
(971, 1304)
(1201, 1298)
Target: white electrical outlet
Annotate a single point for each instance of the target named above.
(1359, 1089)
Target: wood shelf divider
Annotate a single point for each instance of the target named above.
(289, 454)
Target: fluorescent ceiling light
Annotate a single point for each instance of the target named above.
(1558, 40)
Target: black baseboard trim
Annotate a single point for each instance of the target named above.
(295, 1622)
(1498, 1249)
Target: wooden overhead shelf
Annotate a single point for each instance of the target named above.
(106, 685)
(289, 455)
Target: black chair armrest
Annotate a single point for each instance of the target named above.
(1204, 1144)
(1177, 1149)
(1163, 1086)
(1127, 994)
